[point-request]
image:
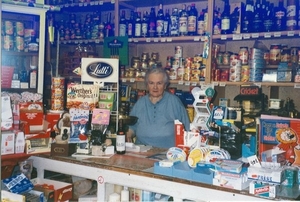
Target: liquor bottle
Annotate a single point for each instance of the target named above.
(145, 24)
(183, 20)
(192, 20)
(152, 23)
(160, 21)
(257, 17)
(200, 24)
(280, 17)
(291, 14)
(138, 25)
(225, 19)
(247, 17)
(130, 25)
(108, 27)
(174, 26)
(205, 11)
(217, 22)
(167, 23)
(122, 24)
(268, 20)
(121, 138)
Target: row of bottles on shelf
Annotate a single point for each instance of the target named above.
(261, 16)
(181, 22)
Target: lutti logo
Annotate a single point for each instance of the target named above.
(99, 70)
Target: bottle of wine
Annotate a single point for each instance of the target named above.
(280, 17)
(257, 17)
(183, 20)
(167, 20)
(217, 22)
(268, 20)
(152, 23)
(108, 26)
(160, 21)
(138, 25)
(145, 24)
(247, 17)
(174, 25)
(121, 139)
(130, 25)
(192, 20)
(291, 14)
(225, 19)
(122, 24)
(200, 24)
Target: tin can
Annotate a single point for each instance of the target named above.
(244, 55)
(145, 56)
(188, 62)
(58, 82)
(178, 51)
(275, 54)
(226, 58)
(19, 43)
(173, 74)
(57, 104)
(180, 73)
(57, 93)
(19, 28)
(224, 75)
(245, 73)
(8, 43)
(215, 50)
(8, 28)
(285, 55)
(155, 56)
(176, 62)
(216, 74)
(169, 61)
(294, 54)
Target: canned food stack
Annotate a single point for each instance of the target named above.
(177, 70)
(13, 36)
(58, 92)
(256, 64)
(235, 70)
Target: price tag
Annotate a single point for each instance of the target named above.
(80, 4)
(291, 33)
(222, 84)
(180, 82)
(148, 39)
(112, 1)
(215, 83)
(129, 40)
(67, 5)
(92, 3)
(100, 2)
(132, 80)
(253, 161)
(267, 35)
(169, 39)
(202, 83)
(296, 85)
(258, 84)
(124, 80)
(76, 42)
(277, 34)
(203, 38)
(194, 84)
(96, 2)
(64, 42)
(97, 41)
(85, 4)
(255, 35)
(187, 83)
(163, 40)
(246, 36)
(223, 37)
(135, 40)
(196, 38)
(155, 40)
(236, 37)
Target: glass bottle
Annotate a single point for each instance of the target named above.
(145, 24)
(130, 25)
(291, 14)
(225, 19)
(183, 20)
(122, 24)
(200, 24)
(216, 23)
(108, 26)
(121, 138)
(257, 17)
(192, 20)
(138, 25)
(160, 21)
(167, 23)
(247, 17)
(280, 17)
(268, 20)
(152, 23)
(174, 25)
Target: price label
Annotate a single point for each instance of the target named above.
(194, 84)
(215, 83)
(253, 161)
(135, 40)
(112, 1)
(237, 37)
(100, 2)
(132, 80)
(92, 3)
(296, 85)
(202, 83)
(291, 33)
(155, 39)
(124, 80)
(76, 42)
(222, 84)
(97, 41)
(255, 35)
(180, 82)
(196, 38)
(80, 4)
(223, 37)
(67, 5)
(246, 36)
(187, 83)
(277, 34)
(96, 2)
(129, 40)
(163, 40)
(258, 84)
(169, 39)
(85, 4)
(148, 40)
(267, 35)
(203, 38)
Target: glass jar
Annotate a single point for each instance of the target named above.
(275, 54)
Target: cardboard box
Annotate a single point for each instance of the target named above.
(8, 196)
(7, 143)
(62, 190)
(32, 112)
(37, 145)
(269, 175)
(6, 114)
(63, 149)
(260, 189)
(19, 142)
(52, 119)
(35, 131)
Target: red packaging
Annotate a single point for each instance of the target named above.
(52, 118)
(32, 113)
(179, 133)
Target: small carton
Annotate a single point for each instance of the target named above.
(8, 143)
(19, 142)
(261, 189)
(179, 133)
(8, 196)
(32, 112)
(62, 190)
(6, 114)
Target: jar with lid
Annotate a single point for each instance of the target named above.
(135, 62)
(226, 58)
(294, 55)
(244, 55)
(144, 64)
(275, 54)
(145, 56)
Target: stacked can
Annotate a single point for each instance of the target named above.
(13, 35)
(235, 70)
(58, 91)
(177, 69)
(256, 64)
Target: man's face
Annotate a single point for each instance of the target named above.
(156, 85)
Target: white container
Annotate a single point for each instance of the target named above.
(275, 103)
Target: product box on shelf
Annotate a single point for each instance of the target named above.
(36, 131)
(32, 112)
(7, 143)
(8, 196)
(63, 149)
(6, 113)
(263, 189)
(19, 142)
(6, 76)
(271, 175)
(62, 191)
(52, 118)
